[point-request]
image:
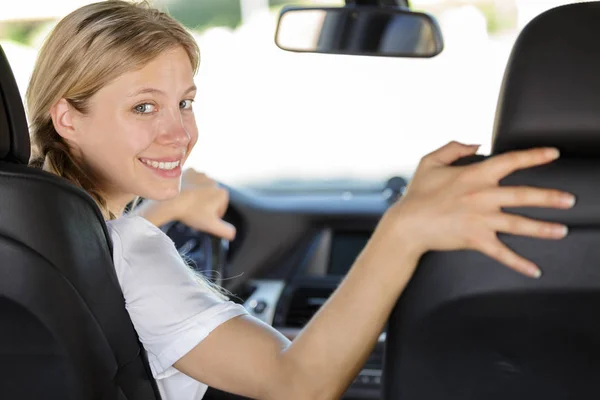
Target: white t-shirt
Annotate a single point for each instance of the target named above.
(171, 311)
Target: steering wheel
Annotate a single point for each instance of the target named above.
(206, 254)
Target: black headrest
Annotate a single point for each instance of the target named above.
(551, 90)
(14, 133)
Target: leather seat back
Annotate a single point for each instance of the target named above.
(65, 331)
(470, 328)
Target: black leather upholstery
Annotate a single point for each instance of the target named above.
(468, 327)
(65, 333)
(14, 144)
(551, 89)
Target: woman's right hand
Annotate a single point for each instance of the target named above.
(460, 207)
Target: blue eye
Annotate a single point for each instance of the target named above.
(144, 108)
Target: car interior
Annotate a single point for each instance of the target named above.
(465, 328)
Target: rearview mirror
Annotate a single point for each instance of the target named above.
(359, 30)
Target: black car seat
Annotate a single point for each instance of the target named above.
(64, 331)
(469, 328)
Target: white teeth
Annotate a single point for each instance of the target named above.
(162, 165)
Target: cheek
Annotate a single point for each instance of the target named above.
(113, 133)
(192, 130)
(136, 138)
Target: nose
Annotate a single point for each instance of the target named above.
(174, 131)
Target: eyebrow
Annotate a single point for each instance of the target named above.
(158, 91)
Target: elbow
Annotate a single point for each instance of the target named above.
(293, 382)
(296, 391)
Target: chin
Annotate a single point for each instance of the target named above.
(160, 194)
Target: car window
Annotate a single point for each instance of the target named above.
(266, 115)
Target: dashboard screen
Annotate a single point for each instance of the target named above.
(345, 247)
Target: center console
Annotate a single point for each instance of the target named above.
(329, 258)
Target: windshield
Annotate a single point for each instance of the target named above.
(267, 116)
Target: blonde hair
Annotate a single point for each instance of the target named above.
(86, 50)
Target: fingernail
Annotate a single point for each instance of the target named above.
(568, 200)
(533, 271)
(552, 153)
(560, 231)
(530, 269)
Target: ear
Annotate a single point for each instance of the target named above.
(62, 118)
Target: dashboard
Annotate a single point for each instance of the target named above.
(344, 249)
(292, 251)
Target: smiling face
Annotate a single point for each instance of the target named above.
(137, 131)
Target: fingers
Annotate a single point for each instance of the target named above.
(523, 196)
(193, 177)
(521, 226)
(505, 164)
(222, 229)
(449, 153)
(202, 181)
(222, 201)
(213, 197)
(498, 251)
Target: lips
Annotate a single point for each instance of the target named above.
(164, 168)
(161, 164)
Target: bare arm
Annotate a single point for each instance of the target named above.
(249, 358)
(446, 208)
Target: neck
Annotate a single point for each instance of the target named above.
(117, 204)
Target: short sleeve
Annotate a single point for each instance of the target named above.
(172, 310)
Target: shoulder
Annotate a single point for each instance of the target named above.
(171, 309)
(131, 227)
(142, 253)
(135, 236)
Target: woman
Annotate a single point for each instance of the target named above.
(110, 105)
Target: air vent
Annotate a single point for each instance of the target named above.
(305, 302)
